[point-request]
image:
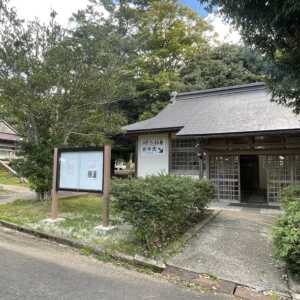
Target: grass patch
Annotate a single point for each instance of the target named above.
(9, 179)
(82, 214)
(24, 212)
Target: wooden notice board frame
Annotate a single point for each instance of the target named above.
(76, 150)
(104, 192)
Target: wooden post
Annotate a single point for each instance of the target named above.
(106, 186)
(54, 196)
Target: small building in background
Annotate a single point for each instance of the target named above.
(8, 141)
(247, 145)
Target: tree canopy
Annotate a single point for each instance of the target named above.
(176, 51)
(166, 36)
(58, 85)
(78, 86)
(223, 65)
(273, 27)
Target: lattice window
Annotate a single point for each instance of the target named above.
(279, 174)
(184, 159)
(297, 169)
(224, 172)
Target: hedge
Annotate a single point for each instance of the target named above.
(286, 233)
(159, 206)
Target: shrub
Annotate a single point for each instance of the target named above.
(286, 233)
(158, 207)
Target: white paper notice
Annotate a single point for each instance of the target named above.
(81, 170)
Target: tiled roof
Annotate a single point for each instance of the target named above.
(230, 110)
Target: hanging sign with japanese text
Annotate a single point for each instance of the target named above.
(153, 146)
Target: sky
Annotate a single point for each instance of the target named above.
(29, 9)
(196, 6)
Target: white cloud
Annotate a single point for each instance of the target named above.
(29, 9)
(225, 32)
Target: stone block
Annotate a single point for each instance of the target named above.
(250, 294)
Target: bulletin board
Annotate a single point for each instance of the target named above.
(80, 170)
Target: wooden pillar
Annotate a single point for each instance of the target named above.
(136, 162)
(106, 186)
(202, 158)
(200, 155)
(207, 165)
(291, 159)
(54, 196)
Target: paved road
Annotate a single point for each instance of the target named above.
(15, 193)
(24, 193)
(36, 269)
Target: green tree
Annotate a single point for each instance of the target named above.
(162, 36)
(166, 47)
(175, 53)
(169, 36)
(223, 65)
(58, 86)
(273, 27)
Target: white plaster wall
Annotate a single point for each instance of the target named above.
(152, 164)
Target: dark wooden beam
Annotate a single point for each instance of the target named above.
(256, 151)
